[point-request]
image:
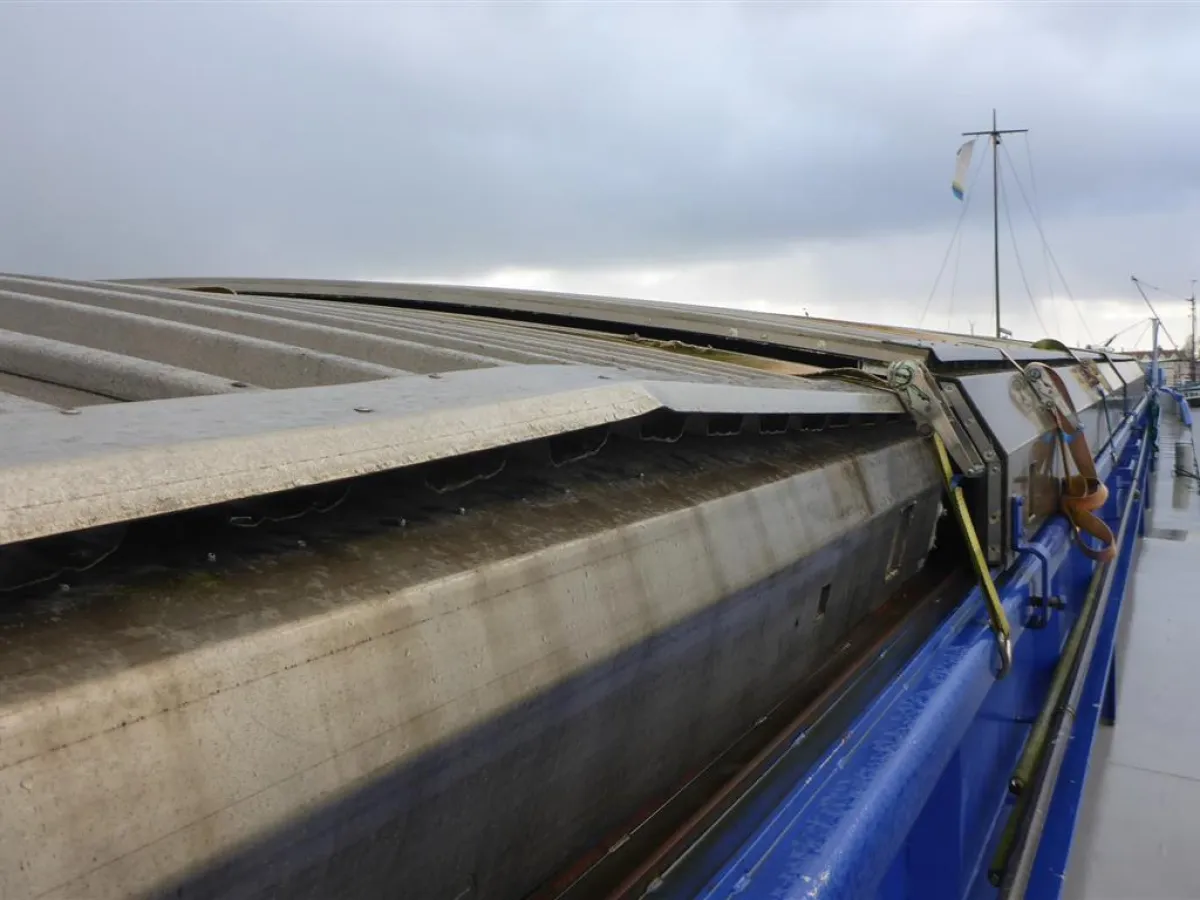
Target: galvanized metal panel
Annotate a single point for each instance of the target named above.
(1007, 406)
(977, 350)
(822, 336)
(16, 404)
(102, 373)
(1023, 433)
(1134, 377)
(132, 342)
(909, 803)
(241, 733)
(231, 355)
(1112, 379)
(113, 463)
(500, 341)
(859, 340)
(241, 704)
(21, 391)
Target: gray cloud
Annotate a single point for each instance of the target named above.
(392, 139)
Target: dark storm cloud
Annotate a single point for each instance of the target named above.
(373, 140)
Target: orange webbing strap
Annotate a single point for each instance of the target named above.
(1082, 493)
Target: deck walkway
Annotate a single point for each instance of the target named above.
(1139, 833)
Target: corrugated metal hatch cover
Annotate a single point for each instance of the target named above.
(122, 400)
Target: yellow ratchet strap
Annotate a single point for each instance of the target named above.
(958, 505)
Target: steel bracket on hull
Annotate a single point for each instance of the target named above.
(1041, 598)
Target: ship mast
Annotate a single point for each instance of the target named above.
(1192, 300)
(994, 133)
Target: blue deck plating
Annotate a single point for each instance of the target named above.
(910, 801)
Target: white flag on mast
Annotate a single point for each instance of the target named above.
(961, 167)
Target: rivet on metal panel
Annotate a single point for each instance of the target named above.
(989, 454)
(995, 470)
(363, 409)
(993, 548)
(994, 517)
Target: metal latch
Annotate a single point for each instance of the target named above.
(925, 402)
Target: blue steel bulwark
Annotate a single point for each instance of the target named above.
(1138, 826)
(910, 801)
(1098, 700)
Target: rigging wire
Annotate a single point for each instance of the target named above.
(1161, 291)
(1037, 211)
(1165, 293)
(954, 281)
(1138, 284)
(1145, 323)
(1046, 245)
(1017, 253)
(1142, 333)
(966, 203)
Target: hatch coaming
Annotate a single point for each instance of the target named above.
(248, 699)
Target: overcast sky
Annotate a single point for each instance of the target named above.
(777, 156)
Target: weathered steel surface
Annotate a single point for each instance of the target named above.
(1024, 434)
(112, 338)
(821, 336)
(254, 726)
(441, 694)
(113, 463)
(258, 394)
(100, 372)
